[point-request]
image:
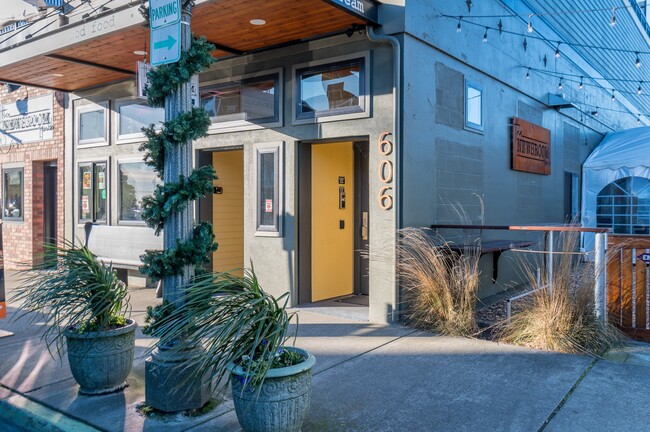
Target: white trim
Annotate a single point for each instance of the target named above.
(276, 148)
(469, 125)
(137, 137)
(364, 100)
(90, 107)
(244, 125)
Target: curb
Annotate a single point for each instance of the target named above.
(23, 413)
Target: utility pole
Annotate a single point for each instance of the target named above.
(170, 385)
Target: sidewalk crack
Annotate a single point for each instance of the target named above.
(568, 395)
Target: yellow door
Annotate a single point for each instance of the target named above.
(332, 220)
(228, 210)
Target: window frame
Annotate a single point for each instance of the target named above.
(118, 179)
(336, 114)
(277, 149)
(470, 125)
(89, 107)
(78, 188)
(132, 137)
(7, 169)
(243, 125)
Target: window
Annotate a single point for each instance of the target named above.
(12, 192)
(269, 206)
(243, 102)
(93, 185)
(92, 124)
(624, 206)
(473, 106)
(331, 89)
(133, 115)
(137, 180)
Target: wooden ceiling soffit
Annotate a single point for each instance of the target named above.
(91, 64)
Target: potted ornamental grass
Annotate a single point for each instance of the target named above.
(241, 330)
(86, 307)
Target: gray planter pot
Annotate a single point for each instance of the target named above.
(101, 361)
(283, 401)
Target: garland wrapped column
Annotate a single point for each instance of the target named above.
(169, 152)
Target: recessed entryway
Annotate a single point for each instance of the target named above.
(333, 220)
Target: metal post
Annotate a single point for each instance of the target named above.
(549, 261)
(178, 161)
(600, 275)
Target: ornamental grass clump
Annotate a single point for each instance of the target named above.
(440, 286)
(77, 293)
(562, 319)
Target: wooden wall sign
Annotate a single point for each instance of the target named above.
(531, 147)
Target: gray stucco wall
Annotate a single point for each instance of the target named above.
(276, 260)
(454, 174)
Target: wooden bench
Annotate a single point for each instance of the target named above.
(121, 245)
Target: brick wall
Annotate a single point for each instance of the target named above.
(23, 240)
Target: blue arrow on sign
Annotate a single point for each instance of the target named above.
(165, 44)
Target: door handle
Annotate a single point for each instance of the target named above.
(364, 226)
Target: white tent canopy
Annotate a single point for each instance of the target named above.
(620, 155)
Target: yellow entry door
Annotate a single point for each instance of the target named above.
(228, 210)
(332, 220)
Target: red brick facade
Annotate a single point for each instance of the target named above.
(23, 240)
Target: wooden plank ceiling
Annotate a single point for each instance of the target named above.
(225, 23)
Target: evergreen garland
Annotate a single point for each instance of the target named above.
(174, 197)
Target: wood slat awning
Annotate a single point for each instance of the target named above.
(100, 50)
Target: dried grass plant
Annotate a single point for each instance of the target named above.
(440, 286)
(563, 319)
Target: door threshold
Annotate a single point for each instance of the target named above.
(336, 308)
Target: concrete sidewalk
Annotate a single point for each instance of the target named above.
(368, 377)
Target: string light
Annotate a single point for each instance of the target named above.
(459, 28)
(485, 39)
(557, 51)
(613, 96)
(559, 86)
(581, 86)
(638, 119)
(528, 74)
(637, 63)
(612, 21)
(594, 113)
(639, 90)
(530, 23)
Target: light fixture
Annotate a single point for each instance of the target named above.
(612, 21)
(485, 39)
(528, 74)
(557, 51)
(613, 96)
(594, 113)
(581, 86)
(637, 63)
(559, 86)
(56, 74)
(530, 23)
(140, 52)
(257, 22)
(638, 119)
(459, 28)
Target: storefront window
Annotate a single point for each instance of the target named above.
(135, 115)
(268, 190)
(92, 124)
(137, 180)
(93, 192)
(332, 89)
(253, 100)
(13, 194)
